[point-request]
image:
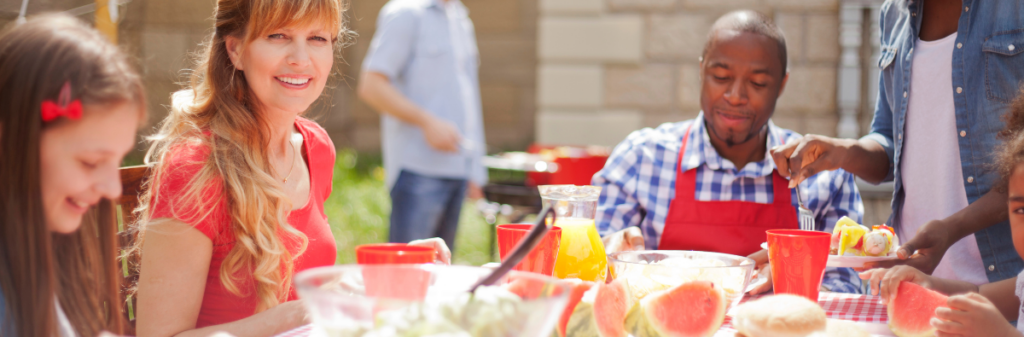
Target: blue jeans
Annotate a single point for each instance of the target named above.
(424, 207)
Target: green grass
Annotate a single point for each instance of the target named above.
(359, 208)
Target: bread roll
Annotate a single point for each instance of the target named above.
(841, 328)
(780, 316)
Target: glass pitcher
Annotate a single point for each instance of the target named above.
(581, 254)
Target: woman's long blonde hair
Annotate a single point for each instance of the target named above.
(220, 112)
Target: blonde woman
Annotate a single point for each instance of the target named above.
(235, 206)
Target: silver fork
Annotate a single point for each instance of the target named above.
(806, 218)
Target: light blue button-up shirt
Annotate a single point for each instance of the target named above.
(987, 68)
(427, 48)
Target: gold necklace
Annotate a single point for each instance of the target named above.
(292, 146)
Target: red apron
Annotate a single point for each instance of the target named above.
(732, 227)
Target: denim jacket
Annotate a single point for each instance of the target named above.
(6, 329)
(987, 68)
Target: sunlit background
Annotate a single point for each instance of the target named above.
(584, 72)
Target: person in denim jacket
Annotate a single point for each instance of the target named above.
(934, 132)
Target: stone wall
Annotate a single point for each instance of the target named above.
(554, 71)
(608, 67)
(162, 33)
(506, 37)
(561, 71)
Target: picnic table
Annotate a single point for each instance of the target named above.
(865, 310)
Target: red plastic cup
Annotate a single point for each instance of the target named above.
(542, 259)
(394, 253)
(395, 283)
(798, 261)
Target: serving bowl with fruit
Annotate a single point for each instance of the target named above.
(428, 300)
(652, 290)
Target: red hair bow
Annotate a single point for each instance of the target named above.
(63, 107)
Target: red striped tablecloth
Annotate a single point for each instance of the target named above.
(858, 308)
(866, 310)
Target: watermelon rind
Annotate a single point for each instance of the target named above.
(911, 308)
(613, 300)
(642, 319)
(577, 289)
(636, 322)
(601, 311)
(581, 322)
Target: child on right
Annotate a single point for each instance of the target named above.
(985, 310)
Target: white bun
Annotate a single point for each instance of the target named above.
(780, 316)
(841, 328)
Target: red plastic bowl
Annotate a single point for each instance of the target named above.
(571, 170)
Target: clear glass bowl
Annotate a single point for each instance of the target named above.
(428, 300)
(654, 270)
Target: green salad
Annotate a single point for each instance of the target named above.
(489, 312)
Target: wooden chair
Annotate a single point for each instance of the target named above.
(119, 214)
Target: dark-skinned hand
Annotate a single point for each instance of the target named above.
(924, 251)
(808, 156)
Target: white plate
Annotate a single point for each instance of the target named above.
(857, 261)
(877, 329)
(852, 261)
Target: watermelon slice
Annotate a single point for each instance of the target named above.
(578, 287)
(911, 309)
(692, 309)
(526, 288)
(601, 311)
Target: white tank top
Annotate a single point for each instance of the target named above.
(933, 179)
(64, 328)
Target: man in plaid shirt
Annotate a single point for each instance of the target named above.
(710, 183)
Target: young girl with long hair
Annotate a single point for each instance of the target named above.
(70, 104)
(235, 205)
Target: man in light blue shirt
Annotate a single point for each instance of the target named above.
(421, 75)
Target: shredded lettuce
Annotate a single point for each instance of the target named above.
(489, 312)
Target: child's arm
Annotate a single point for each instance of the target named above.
(1002, 295)
(969, 313)
(972, 315)
(885, 282)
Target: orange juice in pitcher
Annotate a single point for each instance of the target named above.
(581, 253)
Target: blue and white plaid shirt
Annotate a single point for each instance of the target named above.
(638, 184)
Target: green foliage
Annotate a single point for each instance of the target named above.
(359, 208)
(473, 239)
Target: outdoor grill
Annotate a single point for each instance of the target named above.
(517, 197)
